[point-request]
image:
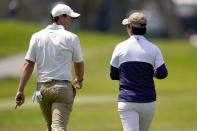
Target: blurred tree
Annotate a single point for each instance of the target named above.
(166, 9)
(89, 11)
(118, 13)
(104, 15)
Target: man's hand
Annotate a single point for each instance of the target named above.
(20, 99)
(78, 84)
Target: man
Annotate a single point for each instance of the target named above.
(53, 49)
(134, 63)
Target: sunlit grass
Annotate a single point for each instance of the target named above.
(176, 95)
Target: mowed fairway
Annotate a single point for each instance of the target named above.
(95, 107)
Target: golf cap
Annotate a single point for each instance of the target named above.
(61, 9)
(136, 19)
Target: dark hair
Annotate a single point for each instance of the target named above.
(138, 31)
(65, 15)
(55, 19)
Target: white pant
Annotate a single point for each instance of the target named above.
(136, 116)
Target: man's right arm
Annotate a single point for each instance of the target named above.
(26, 74)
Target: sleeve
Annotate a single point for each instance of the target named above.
(158, 59)
(161, 72)
(114, 70)
(114, 73)
(31, 53)
(115, 58)
(77, 53)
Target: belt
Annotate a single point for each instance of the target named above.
(53, 81)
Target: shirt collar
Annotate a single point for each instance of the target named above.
(137, 37)
(56, 27)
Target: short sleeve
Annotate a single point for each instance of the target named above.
(158, 59)
(31, 53)
(77, 53)
(115, 58)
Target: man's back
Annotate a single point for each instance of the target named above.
(54, 50)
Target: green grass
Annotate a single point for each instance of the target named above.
(15, 36)
(176, 104)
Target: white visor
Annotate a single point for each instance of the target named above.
(61, 9)
(125, 22)
(74, 15)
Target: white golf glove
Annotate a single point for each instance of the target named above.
(37, 95)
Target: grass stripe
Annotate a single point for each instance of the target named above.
(9, 104)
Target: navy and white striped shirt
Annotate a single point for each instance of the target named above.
(134, 63)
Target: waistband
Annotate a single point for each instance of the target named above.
(54, 81)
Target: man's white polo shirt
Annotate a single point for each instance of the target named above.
(54, 49)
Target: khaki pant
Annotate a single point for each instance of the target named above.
(56, 106)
